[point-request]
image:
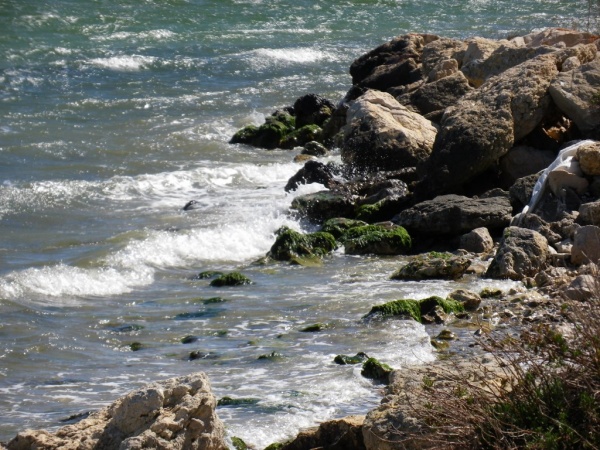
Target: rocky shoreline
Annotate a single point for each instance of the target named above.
(474, 157)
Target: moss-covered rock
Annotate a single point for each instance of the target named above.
(238, 443)
(302, 136)
(491, 293)
(376, 370)
(189, 339)
(231, 279)
(314, 328)
(415, 309)
(269, 135)
(208, 274)
(273, 356)
(324, 205)
(376, 239)
(246, 135)
(229, 401)
(339, 225)
(291, 245)
(359, 358)
(433, 266)
(136, 346)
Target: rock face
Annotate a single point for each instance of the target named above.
(486, 122)
(574, 91)
(455, 215)
(178, 413)
(522, 253)
(382, 134)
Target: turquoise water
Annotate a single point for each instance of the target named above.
(113, 115)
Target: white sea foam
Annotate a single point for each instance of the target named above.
(160, 34)
(123, 63)
(292, 55)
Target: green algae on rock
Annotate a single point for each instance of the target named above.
(302, 136)
(314, 328)
(229, 401)
(359, 358)
(433, 265)
(376, 239)
(415, 309)
(231, 279)
(339, 225)
(292, 246)
(376, 370)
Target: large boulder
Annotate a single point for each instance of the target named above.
(485, 123)
(381, 134)
(522, 253)
(387, 59)
(586, 245)
(312, 109)
(574, 93)
(455, 215)
(345, 433)
(178, 413)
(437, 95)
(324, 205)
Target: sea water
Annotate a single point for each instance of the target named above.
(115, 114)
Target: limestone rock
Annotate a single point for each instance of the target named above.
(485, 123)
(582, 288)
(437, 95)
(440, 50)
(477, 241)
(427, 267)
(558, 37)
(574, 91)
(470, 300)
(178, 413)
(338, 434)
(589, 213)
(382, 134)
(455, 215)
(586, 245)
(522, 253)
(589, 158)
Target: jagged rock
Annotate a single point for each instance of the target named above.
(521, 190)
(440, 50)
(178, 413)
(312, 109)
(338, 434)
(433, 266)
(478, 240)
(382, 134)
(522, 253)
(443, 69)
(586, 245)
(589, 158)
(314, 148)
(324, 205)
(455, 215)
(437, 95)
(574, 91)
(392, 54)
(311, 172)
(470, 300)
(522, 161)
(558, 37)
(583, 288)
(589, 214)
(486, 122)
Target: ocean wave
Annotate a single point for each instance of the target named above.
(124, 63)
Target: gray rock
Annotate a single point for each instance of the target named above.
(382, 134)
(589, 213)
(522, 253)
(440, 50)
(573, 92)
(521, 161)
(437, 95)
(477, 241)
(455, 215)
(324, 205)
(583, 288)
(586, 245)
(470, 300)
(178, 413)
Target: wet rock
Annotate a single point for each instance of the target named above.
(338, 434)
(291, 245)
(522, 253)
(314, 328)
(231, 279)
(268, 135)
(586, 245)
(382, 134)
(446, 335)
(339, 225)
(312, 109)
(229, 401)
(311, 172)
(415, 309)
(324, 205)
(301, 136)
(178, 413)
(470, 300)
(455, 215)
(314, 148)
(359, 358)
(376, 370)
(377, 240)
(478, 240)
(433, 265)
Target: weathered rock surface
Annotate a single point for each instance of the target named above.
(339, 434)
(522, 253)
(455, 215)
(178, 413)
(522, 161)
(478, 240)
(589, 214)
(382, 134)
(574, 91)
(586, 245)
(324, 205)
(444, 266)
(589, 157)
(439, 50)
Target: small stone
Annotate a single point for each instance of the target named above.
(446, 335)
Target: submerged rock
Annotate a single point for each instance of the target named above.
(291, 245)
(415, 309)
(177, 414)
(231, 279)
(359, 358)
(376, 370)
